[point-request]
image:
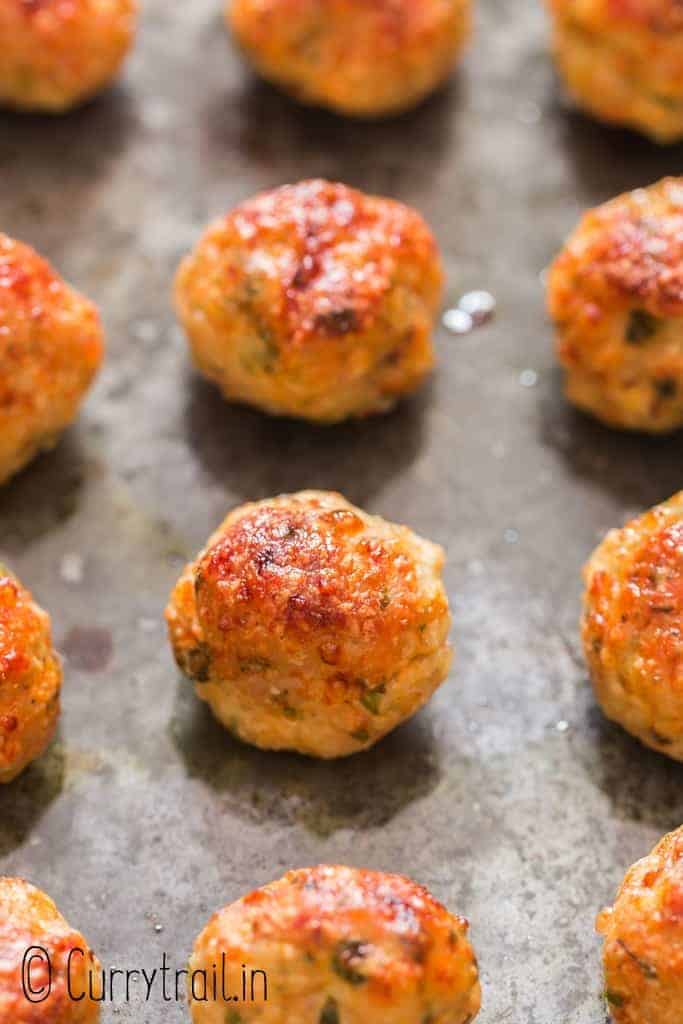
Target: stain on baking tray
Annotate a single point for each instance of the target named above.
(88, 648)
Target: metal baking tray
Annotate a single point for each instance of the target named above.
(509, 795)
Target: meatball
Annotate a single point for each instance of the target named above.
(30, 679)
(50, 349)
(632, 626)
(616, 295)
(58, 53)
(31, 927)
(314, 301)
(339, 945)
(643, 939)
(360, 59)
(622, 60)
(309, 625)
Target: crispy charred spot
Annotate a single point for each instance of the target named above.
(196, 662)
(636, 246)
(666, 387)
(348, 959)
(330, 1012)
(342, 246)
(641, 327)
(302, 611)
(338, 322)
(310, 567)
(329, 652)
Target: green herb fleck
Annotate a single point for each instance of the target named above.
(614, 998)
(329, 1013)
(233, 1017)
(371, 699)
(641, 326)
(361, 735)
(385, 600)
(346, 960)
(289, 712)
(665, 387)
(648, 970)
(196, 662)
(668, 102)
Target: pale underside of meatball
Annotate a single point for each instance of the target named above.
(343, 946)
(30, 679)
(633, 626)
(309, 625)
(643, 939)
(58, 53)
(51, 346)
(360, 59)
(616, 296)
(313, 301)
(29, 918)
(622, 60)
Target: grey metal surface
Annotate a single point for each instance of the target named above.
(144, 812)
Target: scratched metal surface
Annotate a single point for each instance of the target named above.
(145, 813)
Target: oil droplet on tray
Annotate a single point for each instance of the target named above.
(474, 309)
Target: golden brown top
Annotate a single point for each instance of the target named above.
(392, 22)
(635, 595)
(42, 321)
(631, 248)
(647, 919)
(21, 625)
(52, 12)
(311, 570)
(381, 933)
(317, 258)
(658, 16)
(30, 918)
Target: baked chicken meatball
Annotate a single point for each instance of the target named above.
(314, 301)
(30, 921)
(340, 945)
(358, 58)
(309, 625)
(58, 53)
(30, 679)
(51, 346)
(643, 939)
(616, 296)
(622, 61)
(633, 626)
